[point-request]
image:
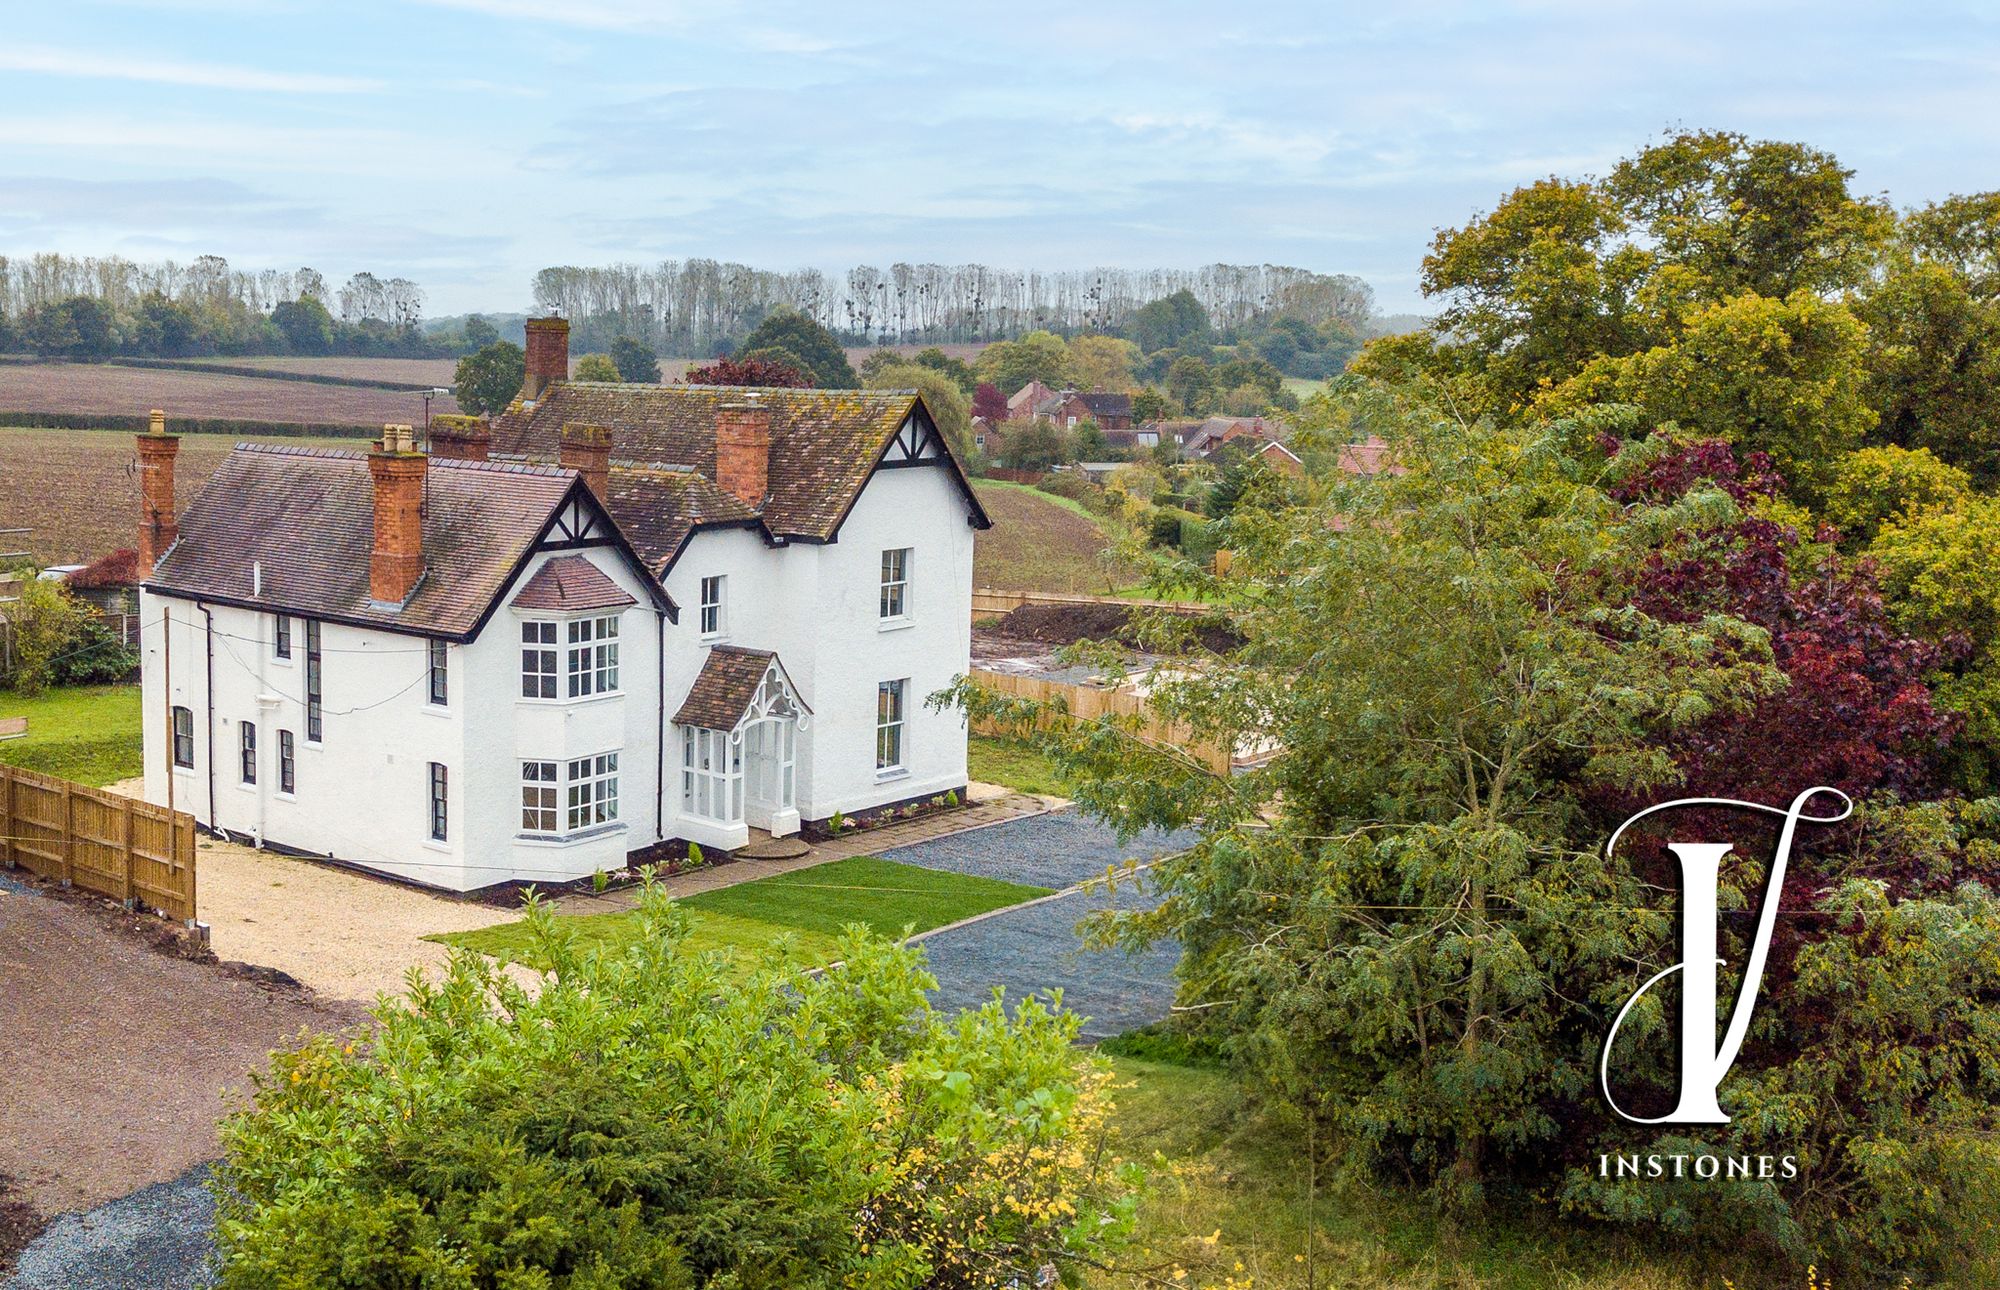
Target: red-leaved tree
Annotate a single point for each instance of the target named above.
(748, 371)
(989, 402)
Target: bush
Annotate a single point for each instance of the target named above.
(653, 1117)
(95, 655)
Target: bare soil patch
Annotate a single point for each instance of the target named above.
(1036, 544)
(78, 490)
(121, 1058)
(406, 371)
(1068, 624)
(105, 389)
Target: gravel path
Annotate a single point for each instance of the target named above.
(1035, 949)
(154, 1239)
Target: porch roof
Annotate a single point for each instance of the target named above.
(727, 685)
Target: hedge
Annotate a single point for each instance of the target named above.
(188, 425)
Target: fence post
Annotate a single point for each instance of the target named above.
(7, 816)
(130, 892)
(67, 846)
(186, 856)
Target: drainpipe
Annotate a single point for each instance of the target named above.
(167, 686)
(208, 698)
(660, 729)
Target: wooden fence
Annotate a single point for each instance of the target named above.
(1088, 702)
(116, 846)
(992, 600)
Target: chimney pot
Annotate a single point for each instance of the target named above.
(158, 528)
(396, 560)
(586, 449)
(743, 450)
(548, 356)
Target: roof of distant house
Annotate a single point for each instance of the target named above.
(291, 530)
(824, 443)
(1369, 457)
(1107, 405)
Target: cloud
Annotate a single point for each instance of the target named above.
(63, 62)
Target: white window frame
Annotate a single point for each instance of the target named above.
(541, 659)
(541, 797)
(713, 616)
(712, 774)
(590, 656)
(178, 717)
(437, 673)
(246, 753)
(437, 795)
(288, 765)
(590, 792)
(281, 637)
(892, 607)
(892, 728)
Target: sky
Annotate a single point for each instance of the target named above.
(466, 143)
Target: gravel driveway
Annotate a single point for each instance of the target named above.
(1034, 949)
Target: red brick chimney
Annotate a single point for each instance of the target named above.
(587, 451)
(157, 526)
(743, 450)
(460, 438)
(548, 356)
(397, 560)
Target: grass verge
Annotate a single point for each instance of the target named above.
(1231, 1204)
(88, 733)
(798, 914)
(1012, 764)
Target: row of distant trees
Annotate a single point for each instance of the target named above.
(699, 307)
(99, 306)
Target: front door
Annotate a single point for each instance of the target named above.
(770, 774)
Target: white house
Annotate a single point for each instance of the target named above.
(617, 617)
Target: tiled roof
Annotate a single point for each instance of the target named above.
(299, 523)
(569, 583)
(119, 569)
(824, 443)
(659, 507)
(722, 692)
(1108, 405)
(1369, 457)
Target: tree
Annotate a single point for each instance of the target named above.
(1038, 356)
(941, 395)
(1171, 322)
(636, 362)
(1784, 377)
(989, 402)
(477, 333)
(656, 1116)
(1102, 363)
(748, 371)
(813, 345)
(487, 381)
(595, 367)
(305, 324)
(1032, 445)
(1191, 384)
(1150, 405)
(47, 624)
(1875, 486)
(166, 327)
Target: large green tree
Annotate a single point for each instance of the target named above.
(487, 380)
(805, 345)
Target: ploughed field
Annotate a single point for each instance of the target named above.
(78, 490)
(107, 389)
(396, 371)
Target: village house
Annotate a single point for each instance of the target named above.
(614, 618)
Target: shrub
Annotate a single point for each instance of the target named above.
(649, 1117)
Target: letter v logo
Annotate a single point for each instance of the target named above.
(1704, 1061)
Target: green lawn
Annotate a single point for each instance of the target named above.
(88, 733)
(1014, 764)
(802, 911)
(1231, 1172)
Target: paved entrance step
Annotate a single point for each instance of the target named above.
(774, 849)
